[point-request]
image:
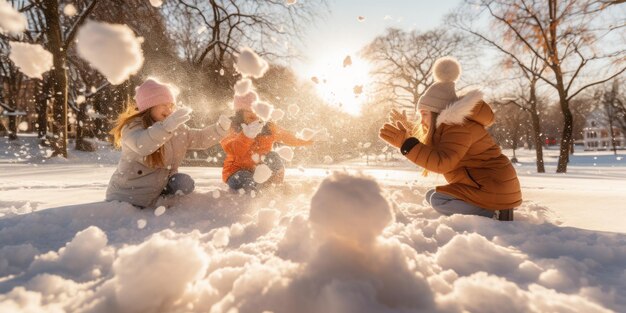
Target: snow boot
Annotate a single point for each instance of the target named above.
(504, 215)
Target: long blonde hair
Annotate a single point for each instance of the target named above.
(129, 114)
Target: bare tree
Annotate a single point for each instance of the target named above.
(564, 35)
(610, 99)
(403, 62)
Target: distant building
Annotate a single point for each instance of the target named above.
(596, 135)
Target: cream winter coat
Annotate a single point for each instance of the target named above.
(135, 182)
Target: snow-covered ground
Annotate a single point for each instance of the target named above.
(360, 240)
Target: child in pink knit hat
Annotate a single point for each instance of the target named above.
(153, 138)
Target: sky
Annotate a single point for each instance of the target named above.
(340, 32)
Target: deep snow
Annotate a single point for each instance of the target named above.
(342, 242)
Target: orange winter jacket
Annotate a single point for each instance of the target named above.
(473, 164)
(240, 149)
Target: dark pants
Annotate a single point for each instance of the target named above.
(179, 183)
(244, 178)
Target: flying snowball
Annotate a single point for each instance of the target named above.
(32, 60)
(11, 21)
(262, 173)
(286, 153)
(243, 86)
(112, 49)
(156, 3)
(69, 10)
(250, 64)
(159, 211)
(23, 126)
(263, 110)
(306, 134)
(278, 115)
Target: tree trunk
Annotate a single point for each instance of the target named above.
(13, 126)
(58, 77)
(41, 107)
(81, 143)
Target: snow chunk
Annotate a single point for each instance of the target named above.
(250, 64)
(278, 115)
(11, 21)
(263, 109)
(306, 134)
(357, 201)
(112, 49)
(285, 152)
(69, 10)
(262, 173)
(156, 3)
(293, 109)
(141, 223)
(23, 126)
(32, 59)
(159, 211)
(243, 86)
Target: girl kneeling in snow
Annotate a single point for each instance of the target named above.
(452, 139)
(154, 139)
(250, 143)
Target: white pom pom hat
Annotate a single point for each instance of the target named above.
(439, 95)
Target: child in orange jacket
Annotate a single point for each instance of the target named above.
(250, 143)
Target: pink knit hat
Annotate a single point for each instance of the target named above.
(152, 93)
(245, 102)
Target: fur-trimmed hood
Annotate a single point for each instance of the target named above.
(471, 107)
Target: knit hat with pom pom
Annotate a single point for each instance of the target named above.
(441, 94)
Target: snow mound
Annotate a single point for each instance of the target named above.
(112, 49)
(32, 59)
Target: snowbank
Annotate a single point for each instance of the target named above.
(349, 245)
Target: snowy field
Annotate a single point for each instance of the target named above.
(359, 241)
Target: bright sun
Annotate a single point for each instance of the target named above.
(343, 82)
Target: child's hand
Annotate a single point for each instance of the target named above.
(224, 122)
(174, 120)
(393, 135)
(253, 129)
(395, 116)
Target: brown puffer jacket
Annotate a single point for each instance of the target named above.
(472, 163)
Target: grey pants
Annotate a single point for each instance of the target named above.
(448, 205)
(179, 182)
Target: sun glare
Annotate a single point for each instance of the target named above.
(342, 81)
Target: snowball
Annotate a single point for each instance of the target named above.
(306, 134)
(23, 126)
(80, 99)
(293, 109)
(69, 10)
(263, 109)
(216, 194)
(159, 211)
(11, 21)
(343, 200)
(285, 152)
(112, 49)
(278, 115)
(361, 18)
(250, 64)
(32, 59)
(141, 223)
(328, 159)
(156, 3)
(243, 86)
(256, 158)
(262, 173)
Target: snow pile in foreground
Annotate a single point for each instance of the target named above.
(349, 246)
(112, 49)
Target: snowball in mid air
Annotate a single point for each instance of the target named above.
(11, 21)
(32, 59)
(112, 49)
(250, 64)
